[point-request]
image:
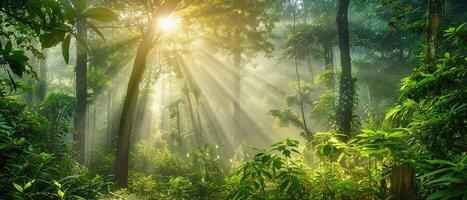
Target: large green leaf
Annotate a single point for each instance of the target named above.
(17, 61)
(66, 48)
(96, 30)
(100, 13)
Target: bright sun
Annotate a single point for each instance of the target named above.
(169, 23)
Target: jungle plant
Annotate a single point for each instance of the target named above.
(272, 174)
(448, 180)
(27, 172)
(58, 108)
(432, 104)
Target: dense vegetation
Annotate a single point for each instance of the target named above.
(222, 99)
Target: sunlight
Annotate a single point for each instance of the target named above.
(169, 23)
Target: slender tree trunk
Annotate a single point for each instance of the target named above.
(329, 63)
(198, 118)
(129, 106)
(42, 86)
(435, 9)
(162, 102)
(328, 57)
(79, 136)
(307, 134)
(310, 67)
(108, 138)
(29, 94)
(131, 98)
(344, 109)
(193, 120)
(236, 93)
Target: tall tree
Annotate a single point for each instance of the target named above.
(131, 98)
(435, 8)
(81, 88)
(344, 110)
(42, 86)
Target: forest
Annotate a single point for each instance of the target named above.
(233, 99)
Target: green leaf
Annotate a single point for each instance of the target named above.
(96, 30)
(66, 48)
(29, 184)
(17, 61)
(81, 41)
(447, 194)
(435, 172)
(286, 153)
(442, 162)
(18, 187)
(326, 150)
(8, 46)
(60, 193)
(100, 14)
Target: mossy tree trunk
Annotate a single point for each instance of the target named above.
(435, 8)
(345, 106)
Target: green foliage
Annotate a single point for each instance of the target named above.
(432, 105)
(310, 39)
(102, 14)
(160, 174)
(59, 109)
(447, 178)
(27, 172)
(272, 174)
(331, 182)
(384, 145)
(24, 24)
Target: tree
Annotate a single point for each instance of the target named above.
(435, 8)
(344, 112)
(79, 135)
(131, 97)
(42, 86)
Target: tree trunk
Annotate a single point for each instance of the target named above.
(310, 67)
(344, 109)
(109, 135)
(435, 9)
(194, 122)
(131, 98)
(329, 64)
(79, 136)
(42, 86)
(328, 57)
(236, 93)
(402, 183)
(129, 107)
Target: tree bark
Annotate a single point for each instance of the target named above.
(42, 86)
(329, 64)
(129, 106)
(344, 109)
(402, 183)
(328, 57)
(79, 136)
(435, 9)
(131, 98)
